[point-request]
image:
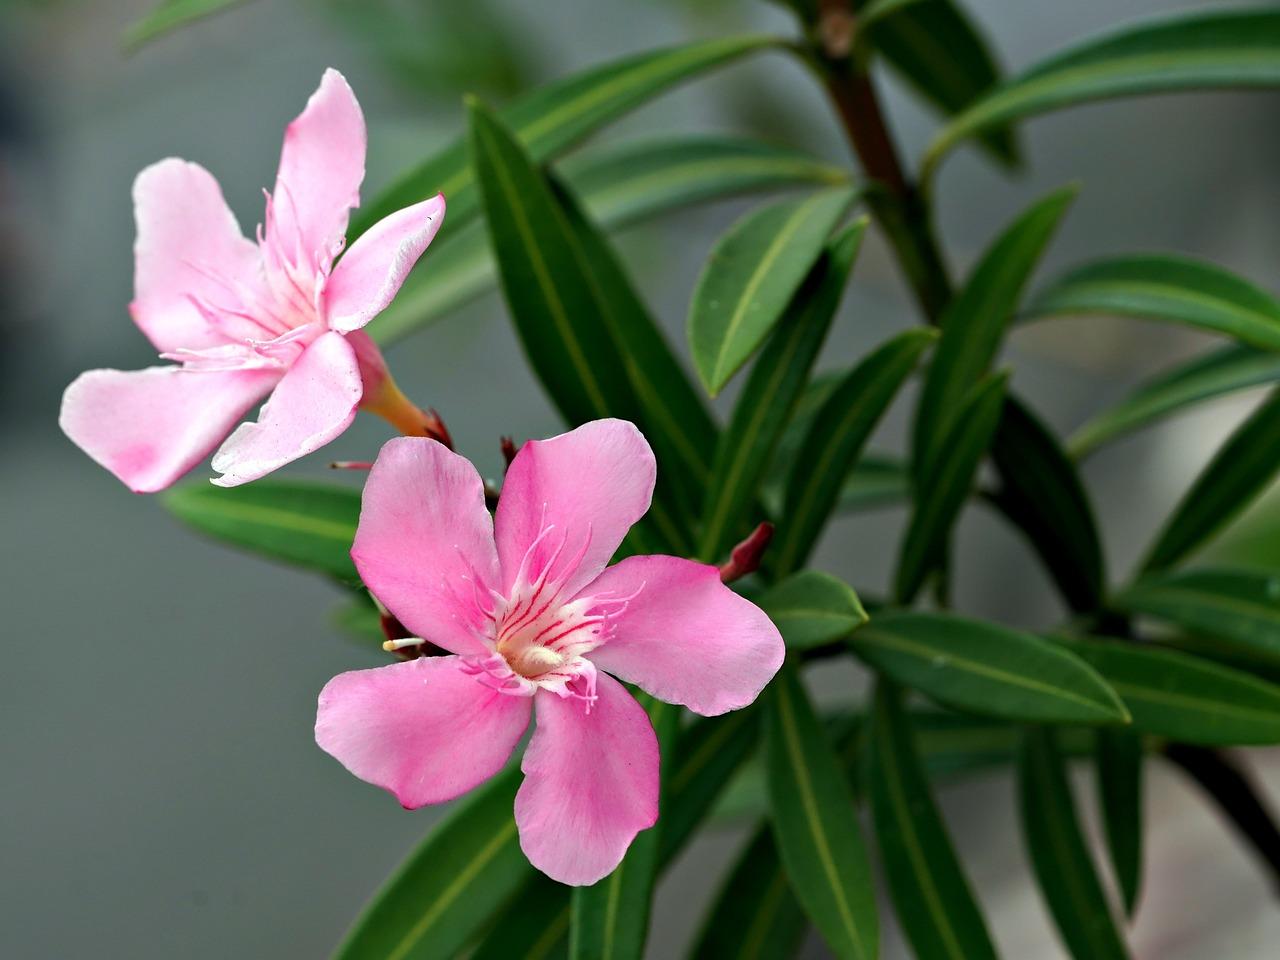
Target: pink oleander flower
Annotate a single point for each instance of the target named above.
(242, 320)
(533, 620)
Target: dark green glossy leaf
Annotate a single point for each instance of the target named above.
(534, 926)
(1225, 371)
(171, 14)
(974, 324)
(814, 824)
(764, 407)
(1241, 469)
(1238, 608)
(1068, 880)
(946, 480)
(1168, 288)
(751, 275)
(449, 887)
(553, 118)
(1118, 761)
(307, 525)
(1042, 494)
(935, 906)
(811, 608)
(1189, 51)
(987, 669)
(835, 439)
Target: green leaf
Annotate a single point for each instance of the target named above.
(1061, 860)
(619, 185)
(169, 15)
(753, 272)
(308, 525)
(359, 620)
(944, 483)
(764, 407)
(814, 823)
(1164, 287)
(1238, 608)
(974, 323)
(1191, 51)
(935, 47)
(986, 668)
(1225, 371)
(534, 926)
(553, 118)
(811, 608)
(457, 878)
(1241, 469)
(1118, 763)
(1186, 698)
(835, 439)
(935, 906)
(1043, 496)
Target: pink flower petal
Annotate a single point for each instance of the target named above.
(424, 545)
(369, 274)
(591, 783)
(151, 426)
(589, 485)
(685, 637)
(422, 729)
(316, 401)
(321, 168)
(188, 245)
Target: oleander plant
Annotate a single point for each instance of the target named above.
(638, 590)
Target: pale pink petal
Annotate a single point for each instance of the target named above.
(321, 167)
(422, 729)
(591, 783)
(370, 273)
(685, 637)
(424, 546)
(589, 486)
(188, 246)
(151, 426)
(316, 401)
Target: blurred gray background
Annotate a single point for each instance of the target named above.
(160, 791)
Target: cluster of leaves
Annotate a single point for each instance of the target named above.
(1177, 660)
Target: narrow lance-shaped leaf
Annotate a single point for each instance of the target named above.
(835, 440)
(974, 324)
(814, 824)
(935, 906)
(457, 878)
(1063, 867)
(1184, 52)
(751, 275)
(1225, 371)
(764, 407)
(1118, 770)
(1239, 609)
(171, 14)
(619, 185)
(553, 118)
(812, 608)
(987, 669)
(1241, 469)
(944, 483)
(308, 525)
(1042, 494)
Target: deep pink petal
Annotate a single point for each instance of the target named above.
(685, 637)
(316, 401)
(321, 167)
(370, 273)
(591, 783)
(590, 485)
(151, 426)
(188, 245)
(424, 545)
(422, 729)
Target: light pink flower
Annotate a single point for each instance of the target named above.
(533, 621)
(241, 320)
